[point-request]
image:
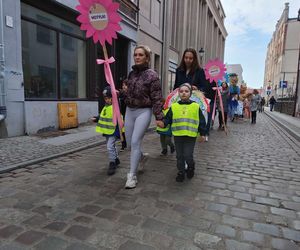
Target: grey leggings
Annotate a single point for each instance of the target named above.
(137, 122)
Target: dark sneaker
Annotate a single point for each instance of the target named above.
(190, 172)
(180, 176)
(164, 152)
(111, 168)
(172, 149)
(117, 162)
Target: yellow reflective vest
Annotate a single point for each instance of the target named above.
(185, 121)
(105, 123)
(166, 129)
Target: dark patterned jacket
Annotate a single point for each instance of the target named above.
(144, 90)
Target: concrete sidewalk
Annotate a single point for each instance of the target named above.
(289, 123)
(21, 151)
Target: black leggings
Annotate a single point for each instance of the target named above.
(253, 116)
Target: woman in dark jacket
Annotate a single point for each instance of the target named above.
(142, 94)
(189, 71)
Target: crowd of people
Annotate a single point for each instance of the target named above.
(183, 120)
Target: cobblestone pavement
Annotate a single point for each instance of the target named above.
(18, 150)
(245, 195)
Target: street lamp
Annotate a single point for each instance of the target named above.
(201, 53)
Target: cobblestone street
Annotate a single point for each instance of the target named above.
(245, 195)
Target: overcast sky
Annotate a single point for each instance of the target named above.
(250, 25)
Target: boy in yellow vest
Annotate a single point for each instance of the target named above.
(187, 121)
(165, 137)
(109, 130)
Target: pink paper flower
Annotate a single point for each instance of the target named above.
(214, 70)
(100, 19)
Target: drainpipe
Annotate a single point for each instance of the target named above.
(2, 68)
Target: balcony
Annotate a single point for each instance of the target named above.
(129, 9)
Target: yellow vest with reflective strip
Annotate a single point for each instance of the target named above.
(105, 123)
(158, 129)
(185, 120)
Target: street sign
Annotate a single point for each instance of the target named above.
(283, 84)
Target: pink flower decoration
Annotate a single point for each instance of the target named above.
(215, 70)
(100, 19)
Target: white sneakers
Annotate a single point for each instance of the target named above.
(206, 138)
(143, 161)
(131, 178)
(131, 181)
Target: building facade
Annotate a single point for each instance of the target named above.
(167, 27)
(48, 60)
(282, 57)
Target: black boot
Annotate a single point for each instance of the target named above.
(172, 148)
(111, 168)
(190, 171)
(180, 176)
(117, 162)
(164, 152)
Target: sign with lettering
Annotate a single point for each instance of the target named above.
(215, 70)
(100, 19)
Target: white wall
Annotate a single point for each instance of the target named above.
(43, 115)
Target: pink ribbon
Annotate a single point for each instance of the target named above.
(218, 93)
(110, 80)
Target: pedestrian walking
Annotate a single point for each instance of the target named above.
(189, 70)
(111, 132)
(142, 94)
(186, 120)
(165, 135)
(272, 102)
(224, 95)
(247, 107)
(255, 99)
(262, 104)
(234, 92)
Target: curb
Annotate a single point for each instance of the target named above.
(284, 126)
(50, 157)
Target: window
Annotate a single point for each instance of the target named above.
(39, 63)
(67, 41)
(72, 68)
(171, 75)
(156, 13)
(145, 8)
(54, 59)
(43, 35)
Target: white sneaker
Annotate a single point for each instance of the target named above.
(206, 138)
(143, 160)
(131, 181)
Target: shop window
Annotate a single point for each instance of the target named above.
(72, 68)
(43, 35)
(67, 41)
(55, 71)
(39, 64)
